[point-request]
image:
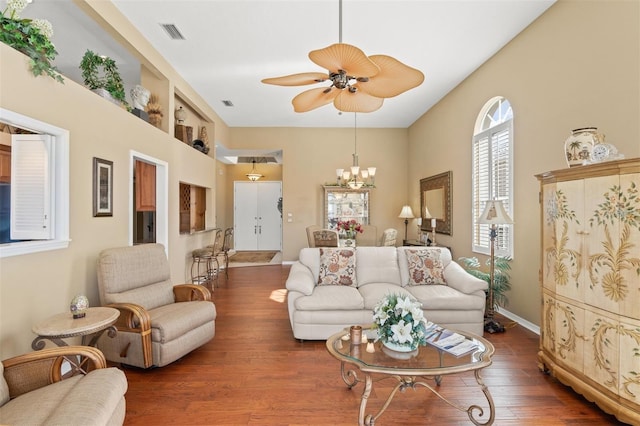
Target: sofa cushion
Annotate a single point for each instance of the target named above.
(330, 297)
(176, 319)
(442, 297)
(337, 267)
(445, 258)
(372, 293)
(377, 265)
(425, 267)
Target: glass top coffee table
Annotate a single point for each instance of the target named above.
(424, 367)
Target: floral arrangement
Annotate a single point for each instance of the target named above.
(400, 320)
(31, 37)
(350, 227)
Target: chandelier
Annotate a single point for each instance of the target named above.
(354, 177)
(254, 175)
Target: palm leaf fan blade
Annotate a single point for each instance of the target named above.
(393, 79)
(358, 101)
(314, 98)
(297, 79)
(341, 56)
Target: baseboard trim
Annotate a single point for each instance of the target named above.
(523, 322)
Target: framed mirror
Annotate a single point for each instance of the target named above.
(435, 201)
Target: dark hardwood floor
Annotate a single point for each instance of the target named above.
(255, 373)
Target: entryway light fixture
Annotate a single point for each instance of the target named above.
(354, 177)
(254, 175)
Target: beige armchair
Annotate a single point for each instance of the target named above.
(69, 385)
(159, 322)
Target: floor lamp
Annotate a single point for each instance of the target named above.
(494, 214)
(406, 214)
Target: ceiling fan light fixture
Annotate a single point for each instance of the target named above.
(367, 80)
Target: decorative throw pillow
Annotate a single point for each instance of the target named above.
(425, 267)
(337, 267)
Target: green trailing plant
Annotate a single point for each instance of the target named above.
(31, 37)
(101, 72)
(501, 278)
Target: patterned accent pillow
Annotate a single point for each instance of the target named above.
(337, 266)
(425, 267)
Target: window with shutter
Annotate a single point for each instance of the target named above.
(38, 218)
(493, 173)
(31, 158)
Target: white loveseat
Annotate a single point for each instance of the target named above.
(317, 311)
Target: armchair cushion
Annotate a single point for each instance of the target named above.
(171, 321)
(138, 274)
(40, 395)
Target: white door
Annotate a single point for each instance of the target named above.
(257, 220)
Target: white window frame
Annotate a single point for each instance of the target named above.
(59, 191)
(485, 190)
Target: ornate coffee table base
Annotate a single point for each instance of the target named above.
(350, 377)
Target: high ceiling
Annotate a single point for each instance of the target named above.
(231, 45)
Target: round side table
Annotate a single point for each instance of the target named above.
(58, 327)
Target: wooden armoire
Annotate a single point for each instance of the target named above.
(590, 278)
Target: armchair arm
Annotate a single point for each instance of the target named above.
(25, 373)
(135, 319)
(190, 292)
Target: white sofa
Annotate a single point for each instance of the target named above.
(318, 311)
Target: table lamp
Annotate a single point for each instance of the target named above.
(406, 214)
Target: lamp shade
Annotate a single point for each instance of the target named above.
(406, 213)
(495, 214)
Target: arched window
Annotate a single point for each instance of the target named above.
(493, 172)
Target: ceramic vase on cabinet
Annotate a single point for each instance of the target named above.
(578, 146)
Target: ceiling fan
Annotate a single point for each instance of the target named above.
(359, 83)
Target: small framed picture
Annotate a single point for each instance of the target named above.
(102, 187)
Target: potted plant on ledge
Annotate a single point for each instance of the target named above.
(100, 74)
(31, 37)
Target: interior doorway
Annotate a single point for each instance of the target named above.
(148, 198)
(258, 215)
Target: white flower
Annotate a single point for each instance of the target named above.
(417, 314)
(381, 316)
(44, 26)
(405, 305)
(15, 7)
(402, 332)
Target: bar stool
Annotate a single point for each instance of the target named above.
(206, 258)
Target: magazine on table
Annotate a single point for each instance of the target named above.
(449, 341)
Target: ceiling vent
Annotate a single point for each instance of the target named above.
(227, 103)
(173, 31)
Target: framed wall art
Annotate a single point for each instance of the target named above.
(102, 187)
